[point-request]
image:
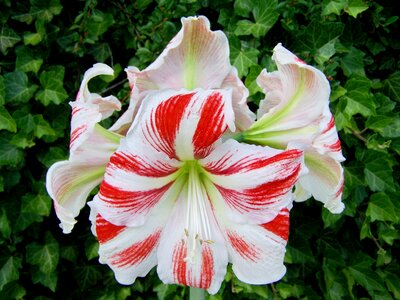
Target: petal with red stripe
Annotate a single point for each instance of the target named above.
(253, 183)
(257, 251)
(130, 252)
(136, 181)
(192, 250)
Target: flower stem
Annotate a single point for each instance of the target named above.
(196, 294)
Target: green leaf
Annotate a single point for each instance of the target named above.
(324, 53)
(47, 279)
(392, 282)
(9, 271)
(381, 208)
(316, 35)
(39, 204)
(333, 7)
(5, 227)
(355, 7)
(243, 7)
(387, 126)
(52, 86)
(378, 172)
(265, 16)
(392, 86)
(98, 24)
(358, 96)
(8, 38)
(91, 248)
(362, 273)
(2, 91)
(352, 63)
(42, 127)
(251, 80)
(9, 154)
(242, 58)
(43, 256)
(45, 9)
(6, 121)
(18, 88)
(87, 276)
(26, 62)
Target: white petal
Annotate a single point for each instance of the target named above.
(186, 256)
(69, 184)
(196, 58)
(324, 181)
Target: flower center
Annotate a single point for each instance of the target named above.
(198, 212)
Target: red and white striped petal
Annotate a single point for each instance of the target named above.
(324, 181)
(69, 184)
(136, 181)
(184, 125)
(253, 182)
(328, 141)
(195, 58)
(192, 250)
(130, 252)
(244, 117)
(257, 251)
(295, 110)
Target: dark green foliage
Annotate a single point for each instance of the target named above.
(45, 47)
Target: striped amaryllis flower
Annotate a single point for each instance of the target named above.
(195, 58)
(69, 182)
(296, 110)
(174, 195)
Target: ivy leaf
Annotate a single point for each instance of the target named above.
(39, 204)
(5, 227)
(9, 154)
(381, 208)
(6, 121)
(352, 63)
(2, 91)
(359, 99)
(355, 7)
(91, 248)
(18, 88)
(362, 273)
(265, 16)
(317, 34)
(333, 7)
(392, 86)
(387, 126)
(47, 279)
(98, 24)
(87, 276)
(44, 256)
(45, 9)
(26, 62)
(9, 271)
(8, 38)
(42, 127)
(52, 86)
(378, 171)
(242, 58)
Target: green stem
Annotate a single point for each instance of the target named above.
(196, 294)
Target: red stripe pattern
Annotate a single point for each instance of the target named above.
(244, 249)
(136, 253)
(211, 125)
(280, 225)
(165, 121)
(105, 230)
(187, 274)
